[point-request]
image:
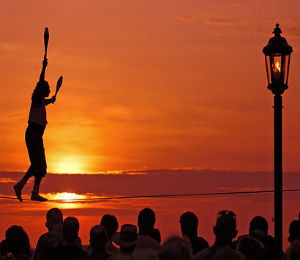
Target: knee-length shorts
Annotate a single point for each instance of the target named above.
(35, 146)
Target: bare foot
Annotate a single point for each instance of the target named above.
(18, 191)
(37, 197)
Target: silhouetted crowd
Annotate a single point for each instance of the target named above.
(143, 241)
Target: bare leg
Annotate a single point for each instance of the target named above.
(19, 186)
(35, 192)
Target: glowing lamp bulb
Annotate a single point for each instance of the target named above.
(277, 66)
(277, 71)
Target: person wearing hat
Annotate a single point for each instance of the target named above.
(127, 240)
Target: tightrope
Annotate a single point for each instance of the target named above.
(99, 199)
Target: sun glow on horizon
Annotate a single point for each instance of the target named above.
(66, 200)
(68, 165)
(66, 196)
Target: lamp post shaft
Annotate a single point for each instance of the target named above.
(278, 172)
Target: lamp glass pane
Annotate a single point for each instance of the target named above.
(268, 68)
(286, 65)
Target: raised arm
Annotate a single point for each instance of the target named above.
(45, 63)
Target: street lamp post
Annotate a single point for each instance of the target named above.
(277, 58)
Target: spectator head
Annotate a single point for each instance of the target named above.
(251, 248)
(98, 238)
(110, 223)
(146, 220)
(54, 217)
(127, 238)
(260, 223)
(175, 248)
(294, 231)
(17, 241)
(189, 224)
(70, 229)
(225, 228)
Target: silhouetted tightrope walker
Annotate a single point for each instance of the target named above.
(37, 122)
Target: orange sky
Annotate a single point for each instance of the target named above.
(148, 84)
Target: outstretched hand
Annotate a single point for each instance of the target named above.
(45, 62)
(53, 99)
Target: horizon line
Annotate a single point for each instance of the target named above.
(154, 170)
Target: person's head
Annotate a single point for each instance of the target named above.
(42, 89)
(54, 217)
(260, 223)
(294, 231)
(98, 238)
(189, 224)
(70, 229)
(175, 248)
(251, 248)
(225, 228)
(126, 238)
(146, 220)
(110, 223)
(17, 240)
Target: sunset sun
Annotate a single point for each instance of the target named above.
(68, 165)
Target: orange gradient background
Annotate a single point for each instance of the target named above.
(148, 84)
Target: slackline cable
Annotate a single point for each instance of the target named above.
(98, 199)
